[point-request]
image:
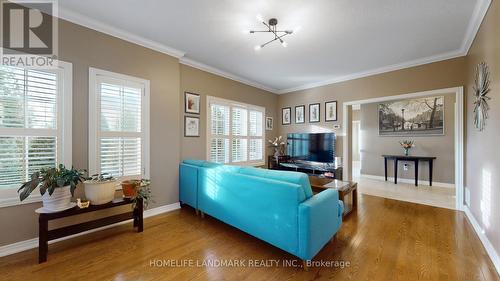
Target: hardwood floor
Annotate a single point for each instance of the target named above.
(383, 240)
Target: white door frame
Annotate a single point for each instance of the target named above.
(459, 133)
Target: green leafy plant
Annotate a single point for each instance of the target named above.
(101, 177)
(144, 193)
(48, 179)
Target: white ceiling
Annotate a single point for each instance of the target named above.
(338, 39)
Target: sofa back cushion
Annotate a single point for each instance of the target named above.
(286, 176)
(201, 163)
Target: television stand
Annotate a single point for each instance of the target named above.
(313, 168)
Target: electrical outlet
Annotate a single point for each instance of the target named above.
(405, 167)
(337, 127)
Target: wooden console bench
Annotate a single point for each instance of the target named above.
(45, 235)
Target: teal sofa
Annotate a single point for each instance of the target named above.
(275, 206)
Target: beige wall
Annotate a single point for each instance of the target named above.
(433, 76)
(442, 147)
(207, 84)
(483, 155)
(86, 48)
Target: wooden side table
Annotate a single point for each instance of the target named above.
(45, 235)
(348, 191)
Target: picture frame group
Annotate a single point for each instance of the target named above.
(191, 106)
(314, 113)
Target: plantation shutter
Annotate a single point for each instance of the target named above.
(30, 129)
(219, 143)
(256, 142)
(120, 140)
(235, 133)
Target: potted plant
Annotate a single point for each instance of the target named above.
(129, 188)
(100, 188)
(57, 186)
(143, 192)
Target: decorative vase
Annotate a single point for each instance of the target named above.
(100, 192)
(59, 200)
(277, 153)
(129, 188)
(407, 151)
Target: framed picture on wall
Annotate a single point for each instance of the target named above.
(330, 111)
(412, 117)
(269, 123)
(286, 116)
(192, 103)
(314, 116)
(191, 126)
(300, 111)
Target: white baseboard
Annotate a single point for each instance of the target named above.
(411, 181)
(484, 239)
(33, 243)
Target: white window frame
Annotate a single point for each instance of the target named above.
(231, 104)
(10, 197)
(95, 76)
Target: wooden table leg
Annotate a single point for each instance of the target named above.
(136, 216)
(140, 213)
(43, 246)
(385, 168)
(355, 198)
(395, 171)
(416, 172)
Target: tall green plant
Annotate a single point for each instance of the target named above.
(48, 179)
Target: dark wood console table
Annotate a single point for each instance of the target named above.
(45, 235)
(415, 159)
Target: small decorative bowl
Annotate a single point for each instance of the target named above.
(82, 205)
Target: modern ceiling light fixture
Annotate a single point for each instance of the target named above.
(271, 28)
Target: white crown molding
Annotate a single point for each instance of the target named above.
(478, 15)
(477, 18)
(492, 253)
(225, 74)
(376, 71)
(116, 32)
(33, 243)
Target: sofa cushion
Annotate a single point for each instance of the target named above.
(229, 168)
(201, 163)
(286, 176)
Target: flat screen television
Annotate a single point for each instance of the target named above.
(314, 147)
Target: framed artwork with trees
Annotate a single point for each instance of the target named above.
(412, 117)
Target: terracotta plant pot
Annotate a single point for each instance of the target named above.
(129, 188)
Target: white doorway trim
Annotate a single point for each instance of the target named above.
(459, 134)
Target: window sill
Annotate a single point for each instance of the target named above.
(14, 201)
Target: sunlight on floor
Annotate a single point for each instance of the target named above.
(428, 195)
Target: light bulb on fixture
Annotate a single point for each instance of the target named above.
(297, 29)
(278, 34)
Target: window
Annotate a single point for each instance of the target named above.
(235, 132)
(35, 125)
(119, 125)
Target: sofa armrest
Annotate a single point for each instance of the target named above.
(188, 185)
(318, 222)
